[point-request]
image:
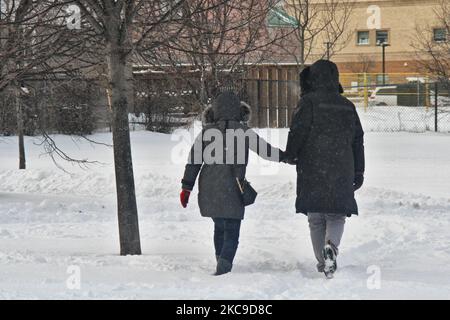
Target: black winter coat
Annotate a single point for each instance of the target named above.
(219, 195)
(326, 140)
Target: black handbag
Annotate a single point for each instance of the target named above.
(248, 194)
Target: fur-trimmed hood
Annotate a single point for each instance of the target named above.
(324, 74)
(305, 83)
(322, 69)
(227, 106)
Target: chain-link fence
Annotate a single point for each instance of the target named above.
(399, 102)
(389, 103)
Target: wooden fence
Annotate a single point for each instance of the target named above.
(273, 95)
(271, 91)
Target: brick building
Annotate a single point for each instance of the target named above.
(392, 21)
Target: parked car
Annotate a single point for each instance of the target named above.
(384, 96)
(409, 94)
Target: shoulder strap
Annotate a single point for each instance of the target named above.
(233, 166)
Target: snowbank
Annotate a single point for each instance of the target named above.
(51, 220)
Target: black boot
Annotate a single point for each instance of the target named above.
(223, 267)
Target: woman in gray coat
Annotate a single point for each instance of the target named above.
(220, 156)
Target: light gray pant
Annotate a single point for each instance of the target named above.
(325, 227)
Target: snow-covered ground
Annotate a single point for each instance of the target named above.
(52, 223)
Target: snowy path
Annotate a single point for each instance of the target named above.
(50, 220)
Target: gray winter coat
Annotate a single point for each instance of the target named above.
(219, 195)
(326, 139)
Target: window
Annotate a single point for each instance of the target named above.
(382, 37)
(440, 35)
(363, 38)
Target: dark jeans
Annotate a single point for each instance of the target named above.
(226, 237)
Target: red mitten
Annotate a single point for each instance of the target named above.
(184, 197)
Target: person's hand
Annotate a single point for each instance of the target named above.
(184, 197)
(292, 161)
(284, 158)
(359, 180)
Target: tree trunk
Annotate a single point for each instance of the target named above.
(302, 52)
(126, 196)
(20, 127)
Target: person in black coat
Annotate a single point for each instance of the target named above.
(219, 196)
(326, 141)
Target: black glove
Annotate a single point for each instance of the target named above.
(359, 180)
(284, 158)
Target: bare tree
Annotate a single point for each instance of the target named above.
(433, 51)
(221, 40)
(34, 42)
(321, 26)
(126, 28)
(364, 63)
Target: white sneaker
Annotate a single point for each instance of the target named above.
(329, 256)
